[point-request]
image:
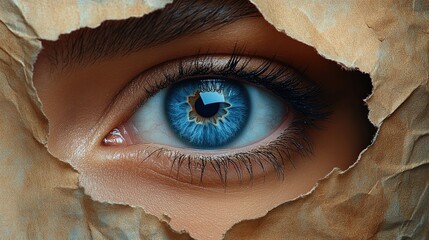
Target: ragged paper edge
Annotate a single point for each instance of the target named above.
(330, 53)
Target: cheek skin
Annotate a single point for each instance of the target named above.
(208, 214)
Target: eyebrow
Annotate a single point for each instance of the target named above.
(122, 37)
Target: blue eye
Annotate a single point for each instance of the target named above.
(227, 112)
(209, 113)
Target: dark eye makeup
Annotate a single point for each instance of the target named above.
(304, 99)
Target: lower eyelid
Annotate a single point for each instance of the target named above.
(256, 161)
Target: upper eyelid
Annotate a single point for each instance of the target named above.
(238, 64)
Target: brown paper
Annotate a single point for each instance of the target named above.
(385, 195)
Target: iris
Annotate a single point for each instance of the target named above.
(207, 113)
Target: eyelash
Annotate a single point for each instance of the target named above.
(303, 96)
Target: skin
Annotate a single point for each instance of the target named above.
(74, 100)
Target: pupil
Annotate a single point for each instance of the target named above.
(208, 110)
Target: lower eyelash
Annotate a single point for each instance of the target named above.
(293, 142)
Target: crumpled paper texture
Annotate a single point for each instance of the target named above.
(385, 195)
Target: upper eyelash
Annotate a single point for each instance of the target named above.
(306, 98)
